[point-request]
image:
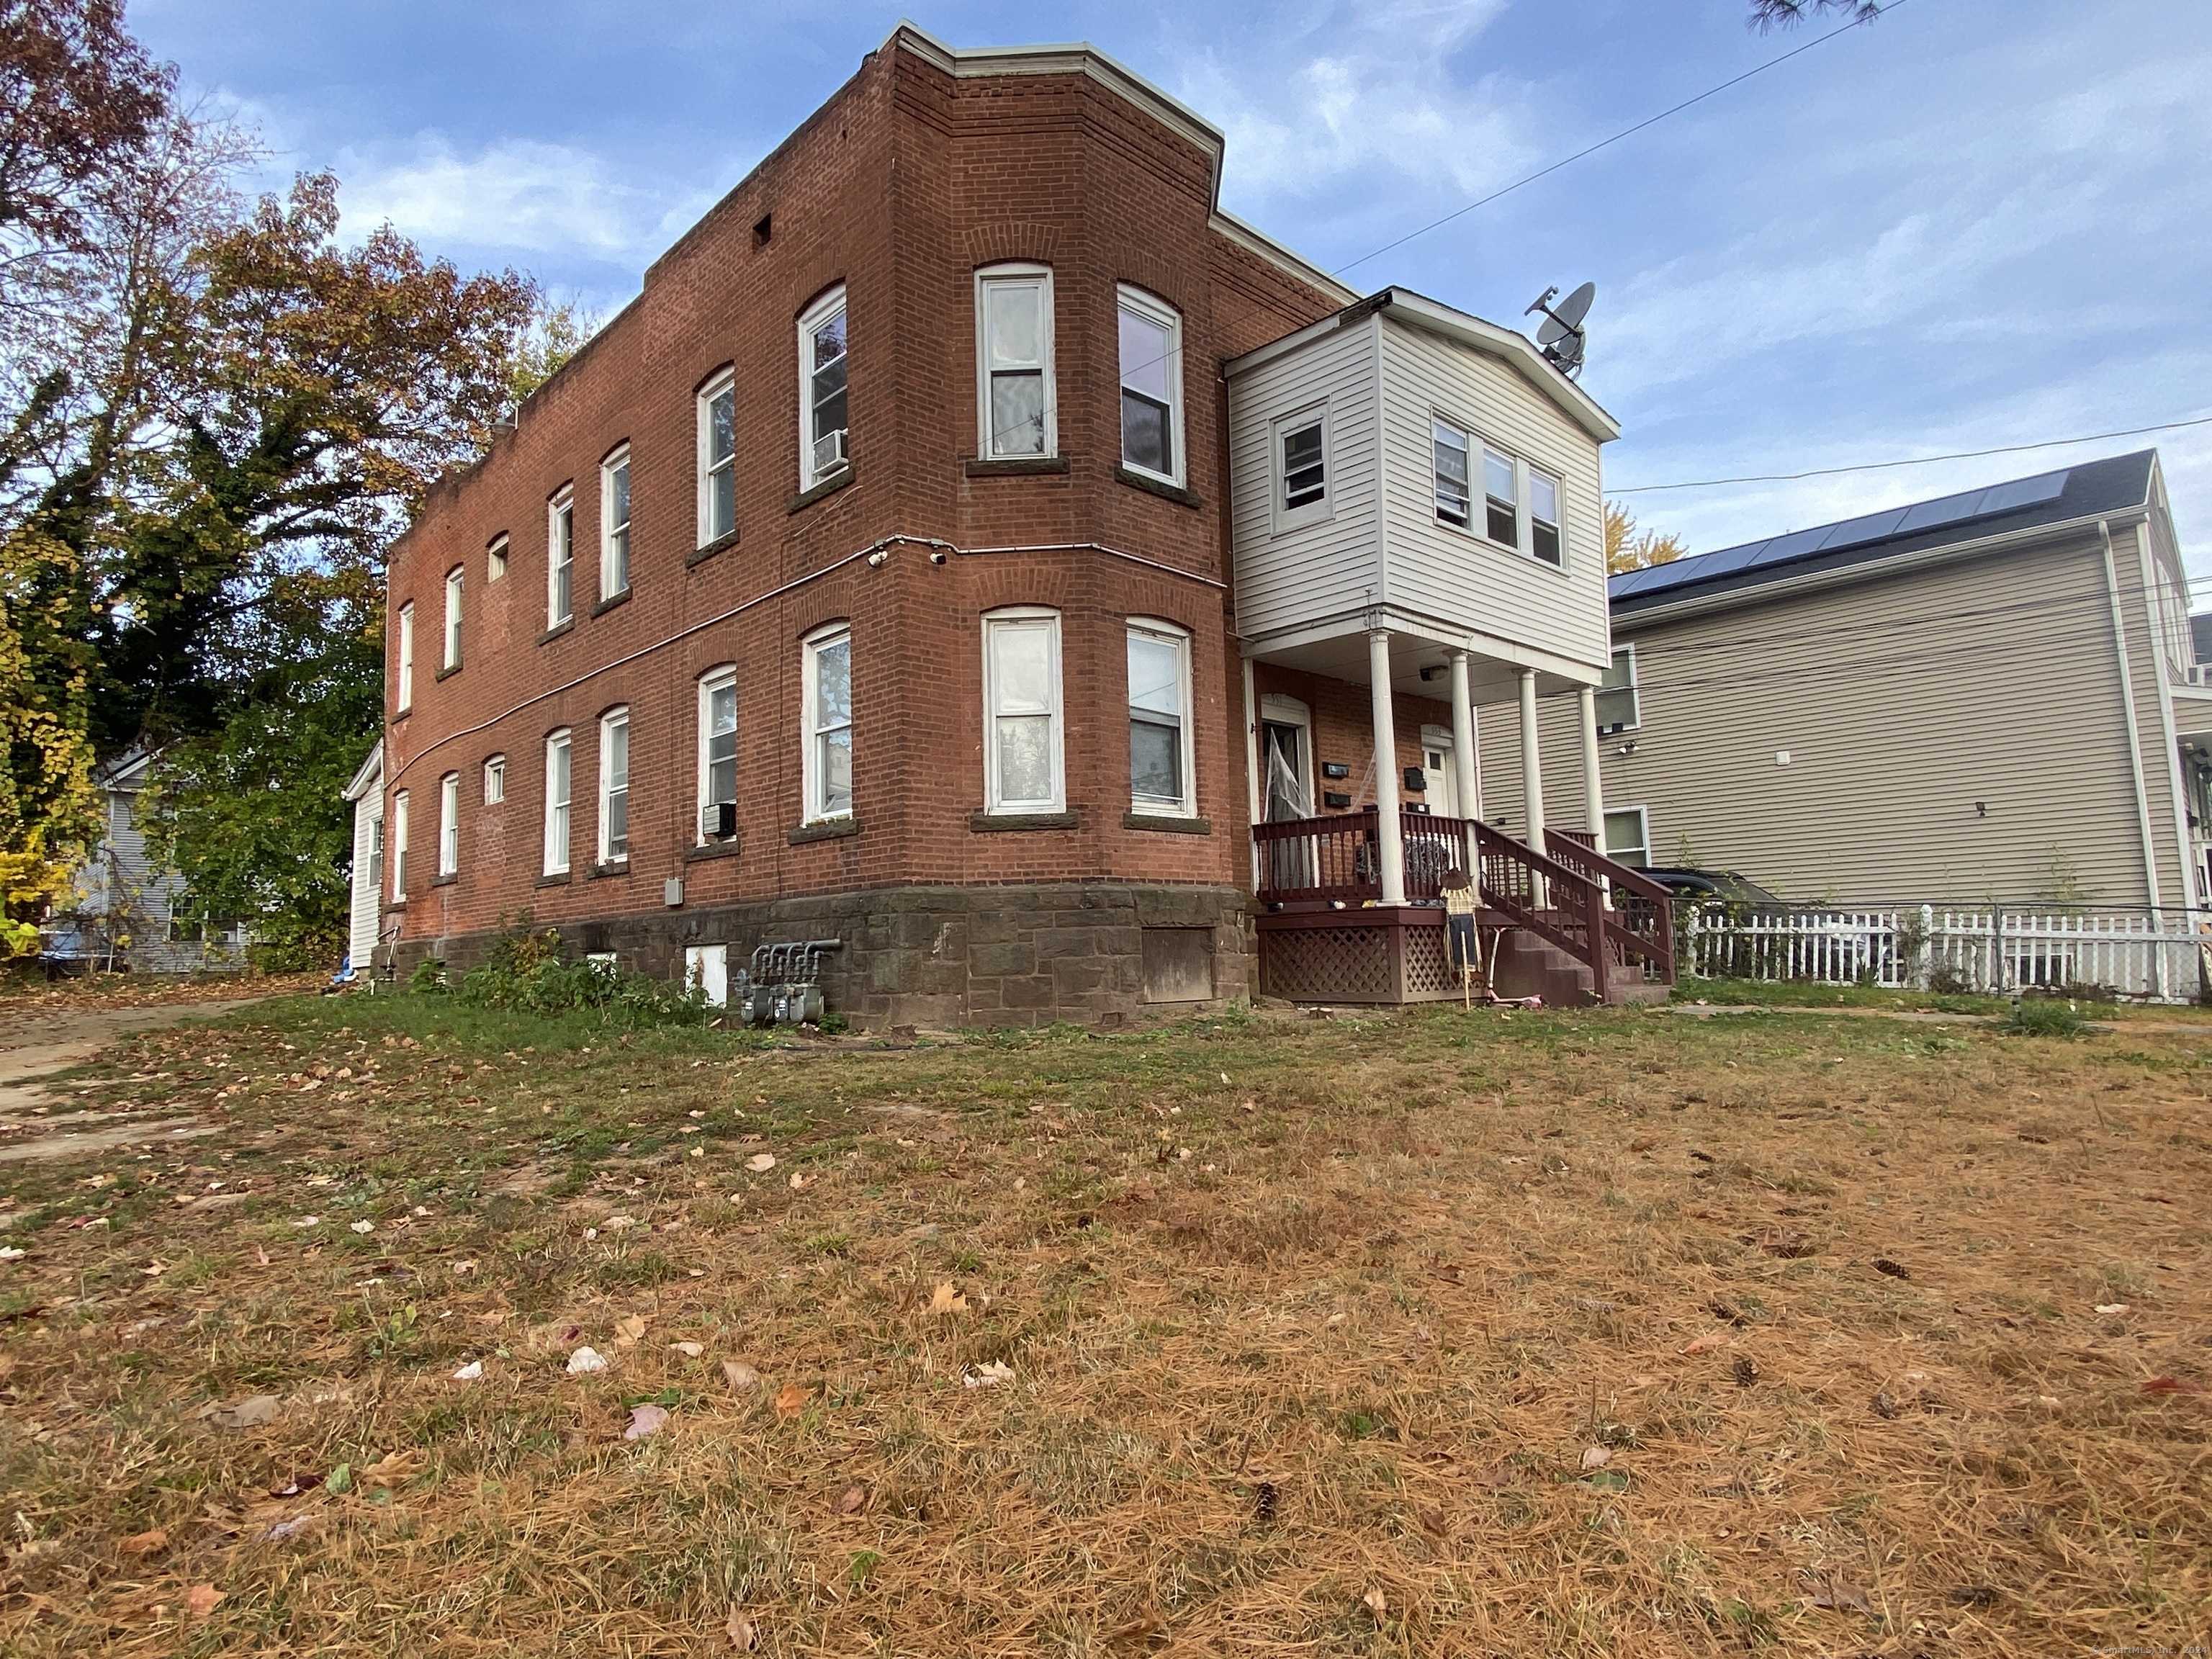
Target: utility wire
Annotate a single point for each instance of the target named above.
(1917, 460)
(1626, 132)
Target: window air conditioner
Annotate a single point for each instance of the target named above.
(829, 452)
(718, 821)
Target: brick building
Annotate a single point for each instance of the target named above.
(869, 576)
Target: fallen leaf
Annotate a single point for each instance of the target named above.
(627, 1331)
(988, 1377)
(586, 1360)
(740, 1375)
(1746, 1372)
(364, 1226)
(790, 1400)
(469, 1372)
(2109, 1308)
(1377, 1603)
(1972, 1595)
(2170, 1385)
(145, 1543)
(1596, 1457)
(689, 1349)
(248, 1414)
(392, 1469)
(202, 1600)
(853, 1499)
(645, 1419)
(740, 1631)
(947, 1298)
(1882, 1264)
(1709, 1340)
(1781, 1242)
(2050, 1402)
(799, 1181)
(1844, 1597)
(761, 1163)
(1885, 1405)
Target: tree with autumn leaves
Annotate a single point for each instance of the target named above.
(217, 415)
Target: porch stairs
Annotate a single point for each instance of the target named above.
(1568, 924)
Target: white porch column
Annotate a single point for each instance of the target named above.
(1532, 769)
(1467, 756)
(1388, 828)
(1593, 782)
(1252, 785)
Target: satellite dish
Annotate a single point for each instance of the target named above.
(1561, 333)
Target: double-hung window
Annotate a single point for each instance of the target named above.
(1628, 836)
(1617, 709)
(1520, 503)
(1501, 499)
(1453, 480)
(1022, 712)
(822, 448)
(828, 664)
(449, 824)
(614, 525)
(1160, 768)
(560, 558)
(1301, 463)
(718, 457)
(1544, 517)
(614, 787)
(376, 854)
(494, 779)
(399, 845)
(718, 754)
(405, 698)
(453, 618)
(1013, 362)
(1151, 385)
(556, 803)
(495, 560)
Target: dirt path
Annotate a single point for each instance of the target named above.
(35, 1050)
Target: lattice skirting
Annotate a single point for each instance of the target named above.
(1347, 960)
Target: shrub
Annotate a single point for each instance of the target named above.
(527, 971)
(429, 975)
(2044, 1017)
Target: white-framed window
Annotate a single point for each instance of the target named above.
(1628, 836)
(1617, 707)
(399, 845)
(494, 779)
(495, 561)
(376, 854)
(822, 446)
(449, 824)
(1544, 541)
(1015, 406)
(1022, 770)
(1160, 764)
(718, 457)
(718, 742)
(1453, 482)
(406, 697)
(1302, 464)
(614, 524)
(827, 655)
(561, 557)
(453, 658)
(557, 802)
(1501, 498)
(1151, 384)
(614, 787)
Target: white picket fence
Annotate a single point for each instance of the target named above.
(2154, 957)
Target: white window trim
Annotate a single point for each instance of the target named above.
(618, 460)
(987, 445)
(1473, 445)
(1529, 473)
(1644, 820)
(495, 560)
(809, 319)
(709, 683)
(405, 698)
(556, 859)
(1478, 525)
(608, 722)
(494, 779)
(994, 803)
(449, 824)
(1173, 634)
(1288, 518)
(452, 652)
(1635, 694)
(810, 767)
(563, 500)
(724, 381)
(396, 846)
(1160, 311)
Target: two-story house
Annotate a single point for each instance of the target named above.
(966, 538)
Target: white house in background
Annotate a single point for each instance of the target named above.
(366, 792)
(124, 917)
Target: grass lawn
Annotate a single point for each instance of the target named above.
(1592, 1334)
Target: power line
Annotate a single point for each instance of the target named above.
(1626, 132)
(1917, 460)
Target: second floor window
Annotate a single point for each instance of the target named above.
(1159, 719)
(718, 745)
(614, 787)
(614, 525)
(829, 717)
(495, 780)
(1544, 517)
(403, 698)
(718, 459)
(495, 561)
(560, 559)
(556, 804)
(1022, 712)
(1013, 348)
(376, 854)
(822, 448)
(1453, 481)
(1151, 384)
(1501, 499)
(1617, 709)
(453, 618)
(449, 823)
(1305, 466)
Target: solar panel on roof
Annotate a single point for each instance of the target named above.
(1944, 509)
(1696, 568)
(1794, 544)
(1628, 582)
(2022, 492)
(1870, 528)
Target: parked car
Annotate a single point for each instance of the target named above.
(1715, 887)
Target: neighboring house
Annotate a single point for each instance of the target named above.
(123, 917)
(1989, 696)
(365, 916)
(966, 539)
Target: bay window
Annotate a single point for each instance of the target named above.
(828, 661)
(1160, 762)
(1013, 362)
(1021, 699)
(1151, 385)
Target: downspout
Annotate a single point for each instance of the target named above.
(1252, 768)
(2135, 739)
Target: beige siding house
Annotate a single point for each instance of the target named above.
(1991, 698)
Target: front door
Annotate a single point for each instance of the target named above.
(1289, 794)
(1443, 793)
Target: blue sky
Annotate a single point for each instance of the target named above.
(1975, 222)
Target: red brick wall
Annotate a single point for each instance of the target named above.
(900, 186)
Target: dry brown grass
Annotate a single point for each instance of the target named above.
(1328, 1384)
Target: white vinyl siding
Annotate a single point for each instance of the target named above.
(558, 771)
(1161, 763)
(1016, 407)
(718, 457)
(614, 787)
(449, 824)
(405, 697)
(823, 415)
(1022, 712)
(559, 559)
(827, 762)
(453, 658)
(1149, 340)
(614, 525)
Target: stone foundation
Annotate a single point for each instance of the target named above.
(955, 956)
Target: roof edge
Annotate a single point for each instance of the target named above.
(372, 767)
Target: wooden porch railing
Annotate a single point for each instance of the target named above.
(1641, 922)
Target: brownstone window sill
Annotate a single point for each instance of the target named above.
(829, 486)
(444, 881)
(1022, 466)
(1167, 824)
(447, 673)
(1152, 486)
(712, 850)
(397, 904)
(556, 631)
(987, 823)
(611, 602)
(701, 555)
(559, 880)
(611, 868)
(834, 829)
